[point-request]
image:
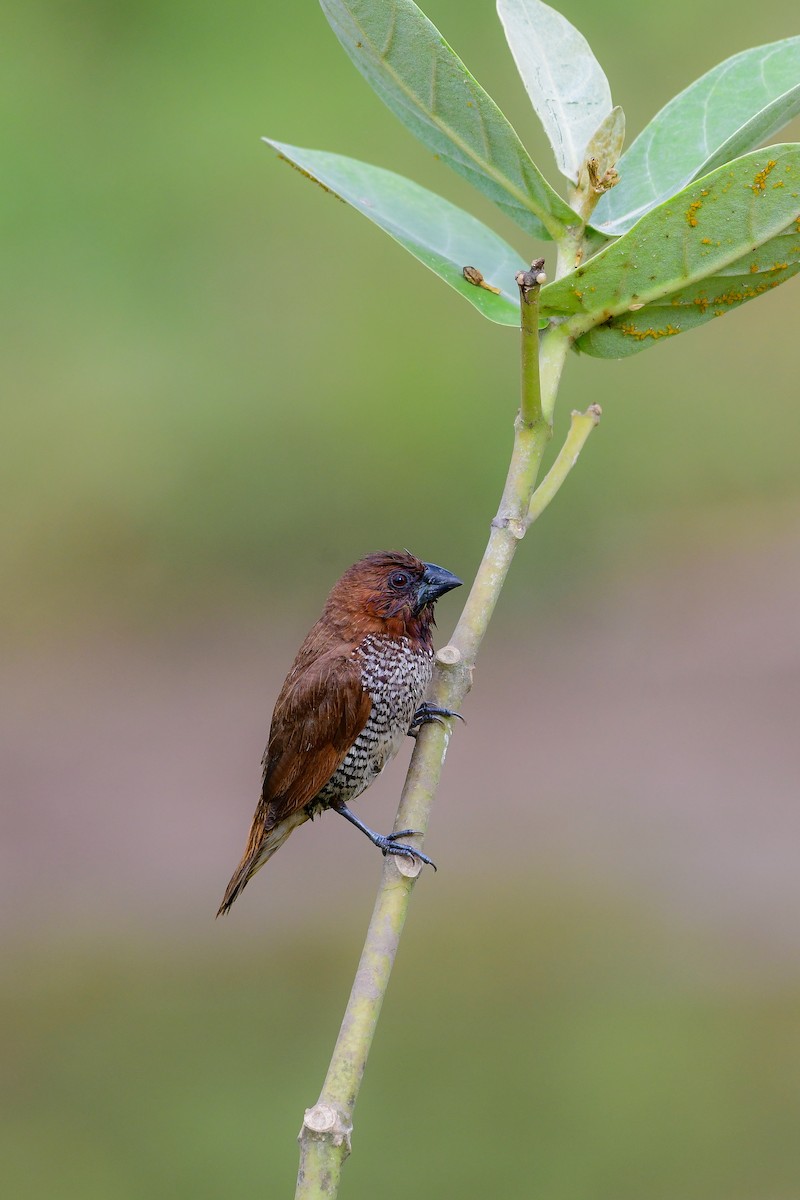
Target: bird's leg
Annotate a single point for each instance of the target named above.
(427, 713)
(386, 843)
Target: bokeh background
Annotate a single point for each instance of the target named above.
(220, 388)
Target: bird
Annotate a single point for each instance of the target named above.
(354, 691)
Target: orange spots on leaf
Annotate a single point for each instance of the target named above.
(745, 293)
(691, 212)
(640, 335)
(759, 183)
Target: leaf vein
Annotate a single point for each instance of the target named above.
(384, 54)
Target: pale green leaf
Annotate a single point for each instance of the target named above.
(564, 80)
(763, 125)
(443, 237)
(729, 111)
(719, 227)
(605, 144)
(407, 62)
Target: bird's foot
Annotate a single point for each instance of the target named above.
(389, 845)
(428, 713)
(386, 843)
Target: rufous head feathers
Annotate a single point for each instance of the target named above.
(392, 590)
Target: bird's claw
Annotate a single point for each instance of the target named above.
(428, 714)
(386, 843)
(389, 846)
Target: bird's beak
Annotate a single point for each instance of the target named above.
(435, 582)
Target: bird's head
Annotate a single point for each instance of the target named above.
(392, 592)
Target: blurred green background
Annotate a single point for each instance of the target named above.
(220, 388)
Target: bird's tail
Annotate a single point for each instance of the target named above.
(266, 836)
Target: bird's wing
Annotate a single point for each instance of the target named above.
(320, 712)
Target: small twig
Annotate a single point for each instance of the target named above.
(581, 425)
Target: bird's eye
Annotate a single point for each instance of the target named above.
(399, 580)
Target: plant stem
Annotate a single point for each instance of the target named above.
(325, 1134)
(581, 425)
(530, 409)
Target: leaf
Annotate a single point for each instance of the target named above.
(565, 82)
(443, 237)
(753, 275)
(605, 144)
(407, 62)
(763, 125)
(725, 239)
(727, 112)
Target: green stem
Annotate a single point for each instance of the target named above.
(325, 1134)
(581, 425)
(530, 410)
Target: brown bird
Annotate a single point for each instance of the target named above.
(353, 693)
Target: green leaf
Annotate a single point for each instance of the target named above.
(564, 80)
(443, 237)
(730, 110)
(756, 273)
(721, 227)
(407, 62)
